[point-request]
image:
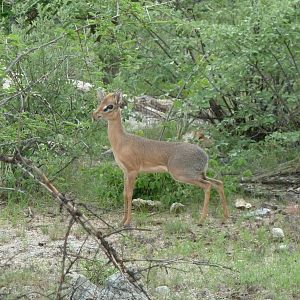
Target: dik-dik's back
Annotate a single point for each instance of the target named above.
(185, 162)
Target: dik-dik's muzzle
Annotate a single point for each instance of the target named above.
(96, 115)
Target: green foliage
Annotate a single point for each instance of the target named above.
(101, 185)
(176, 227)
(97, 271)
(234, 63)
(162, 187)
(248, 250)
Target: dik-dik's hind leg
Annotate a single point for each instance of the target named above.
(129, 180)
(218, 185)
(204, 184)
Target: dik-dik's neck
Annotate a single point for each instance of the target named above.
(115, 130)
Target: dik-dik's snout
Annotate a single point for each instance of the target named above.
(96, 115)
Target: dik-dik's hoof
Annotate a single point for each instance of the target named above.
(225, 220)
(126, 225)
(201, 222)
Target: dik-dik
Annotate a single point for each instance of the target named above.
(185, 162)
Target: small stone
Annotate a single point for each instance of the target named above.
(270, 205)
(260, 212)
(148, 204)
(241, 204)
(282, 248)
(163, 290)
(4, 291)
(206, 294)
(116, 287)
(176, 208)
(277, 233)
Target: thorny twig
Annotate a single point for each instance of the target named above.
(32, 171)
(21, 55)
(30, 140)
(155, 263)
(77, 216)
(11, 190)
(125, 229)
(28, 87)
(63, 272)
(63, 168)
(173, 105)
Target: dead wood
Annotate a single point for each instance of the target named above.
(278, 175)
(31, 170)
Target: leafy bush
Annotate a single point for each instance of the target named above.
(233, 64)
(97, 271)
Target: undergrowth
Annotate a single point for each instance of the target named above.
(94, 177)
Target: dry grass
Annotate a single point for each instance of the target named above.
(260, 270)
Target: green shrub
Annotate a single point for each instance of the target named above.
(97, 271)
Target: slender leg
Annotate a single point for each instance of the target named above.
(129, 181)
(218, 185)
(204, 184)
(125, 200)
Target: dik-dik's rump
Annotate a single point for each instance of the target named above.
(185, 162)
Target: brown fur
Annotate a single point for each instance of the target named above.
(185, 162)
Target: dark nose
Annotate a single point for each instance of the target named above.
(94, 116)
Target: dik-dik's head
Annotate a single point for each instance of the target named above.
(108, 106)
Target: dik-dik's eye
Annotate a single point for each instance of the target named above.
(108, 108)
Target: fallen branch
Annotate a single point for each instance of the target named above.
(11, 190)
(32, 171)
(287, 168)
(155, 263)
(63, 272)
(36, 174)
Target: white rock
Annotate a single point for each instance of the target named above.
(277, 233)
(283, 247)
(7, 83)
(260, 212)
(149, 204)
(163, 290)
(116, 287)
(241, 203)
(176, 207)
(81, 85)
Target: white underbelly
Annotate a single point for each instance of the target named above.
(153, 169)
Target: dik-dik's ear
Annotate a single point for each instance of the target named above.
(100, 94)
(118, 97)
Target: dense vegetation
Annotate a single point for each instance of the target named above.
(234, 64)
(230, 69)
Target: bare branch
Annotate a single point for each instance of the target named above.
(43, 77)
(11, 190)
(158, 263)
(21, 55)
(63, 272)
(31, 170)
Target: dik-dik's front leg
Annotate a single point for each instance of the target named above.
(129, 181)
